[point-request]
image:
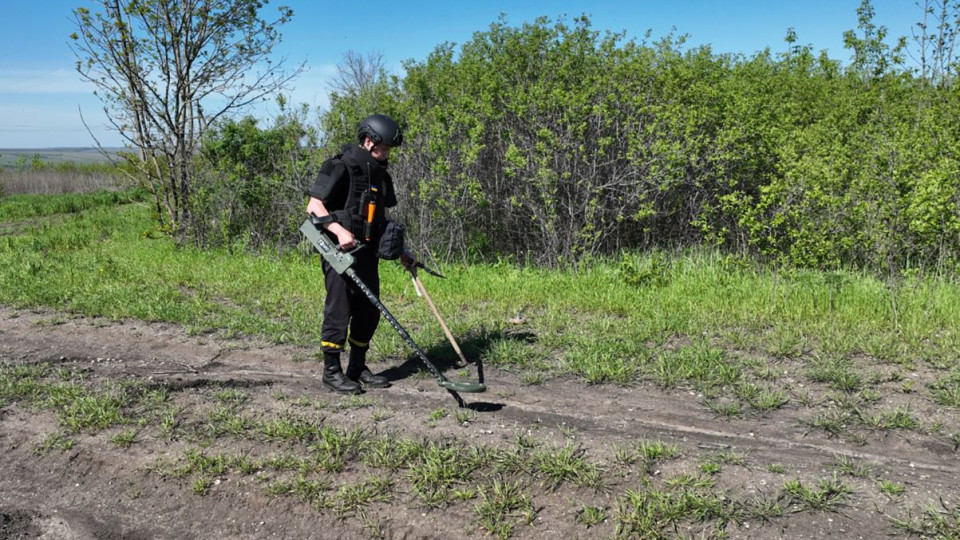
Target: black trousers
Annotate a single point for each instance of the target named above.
(346, 308)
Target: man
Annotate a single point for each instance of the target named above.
(350, 197)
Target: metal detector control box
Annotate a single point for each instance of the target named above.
(340, 261)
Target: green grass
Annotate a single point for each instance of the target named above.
(829, 494)
(102, 257)
(933, 521)
(17, 207)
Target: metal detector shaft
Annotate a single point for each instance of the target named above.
(394, 323)
(441, 380)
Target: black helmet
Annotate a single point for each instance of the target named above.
(381, 129)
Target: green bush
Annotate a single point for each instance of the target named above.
(249, 192)
(550, 142)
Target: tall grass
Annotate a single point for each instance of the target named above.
(41, 177)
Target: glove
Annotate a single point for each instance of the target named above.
(407, 259)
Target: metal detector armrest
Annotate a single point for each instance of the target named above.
(339, 260)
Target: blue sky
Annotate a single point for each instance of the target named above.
(41, 95)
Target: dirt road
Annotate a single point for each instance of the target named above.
(100, 489)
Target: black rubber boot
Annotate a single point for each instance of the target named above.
(367, 378)
(334, 378)
(357, 369)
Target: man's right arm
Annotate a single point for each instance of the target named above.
(345, 238)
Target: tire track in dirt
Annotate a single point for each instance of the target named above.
(163, 353)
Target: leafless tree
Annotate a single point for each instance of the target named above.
(936, 38)
(357, 73)
(166, 70)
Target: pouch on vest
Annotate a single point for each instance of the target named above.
(321, 187)
(325, 182)
(391, 241)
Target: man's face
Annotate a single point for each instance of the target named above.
(380, 152)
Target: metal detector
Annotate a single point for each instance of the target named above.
(342, 263)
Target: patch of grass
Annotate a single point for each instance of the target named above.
(725, 408)
(18, 207)
(203, 464)
(464, 416)
(701, 366)
(932, 522)
(438, 414)
(829, 494)
(569, 432)
(532, 378)
(350, 499)
(288, 428)
(850, 467)
(435, 470)
(81, 409)
(687, 481)
(837, 372)
(599, 365)
(19, 381)
(390, 452)
(201, 486)
(502, 505)
(355, 402)
(710, 468)
(760, 398)
(890, 489)
(725, 457)
(125, 438)
(834, 422)
(313, 492)
(508, 354)
(652, 452)
(227, 419)
(946, 390)
(652, 513)
(566, 464)
(333, 448)
(55, 441)
(589, 516)
(464, 494)
(233, 396)
(897, 418)
(380, 416)
(169, 423)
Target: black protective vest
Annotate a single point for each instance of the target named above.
(346, 198)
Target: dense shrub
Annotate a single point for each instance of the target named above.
(249, 190)
(549, 142)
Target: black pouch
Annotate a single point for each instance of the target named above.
(391, 241)
(322, 187)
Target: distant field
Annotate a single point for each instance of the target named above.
(10, 156)
(61, 170)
